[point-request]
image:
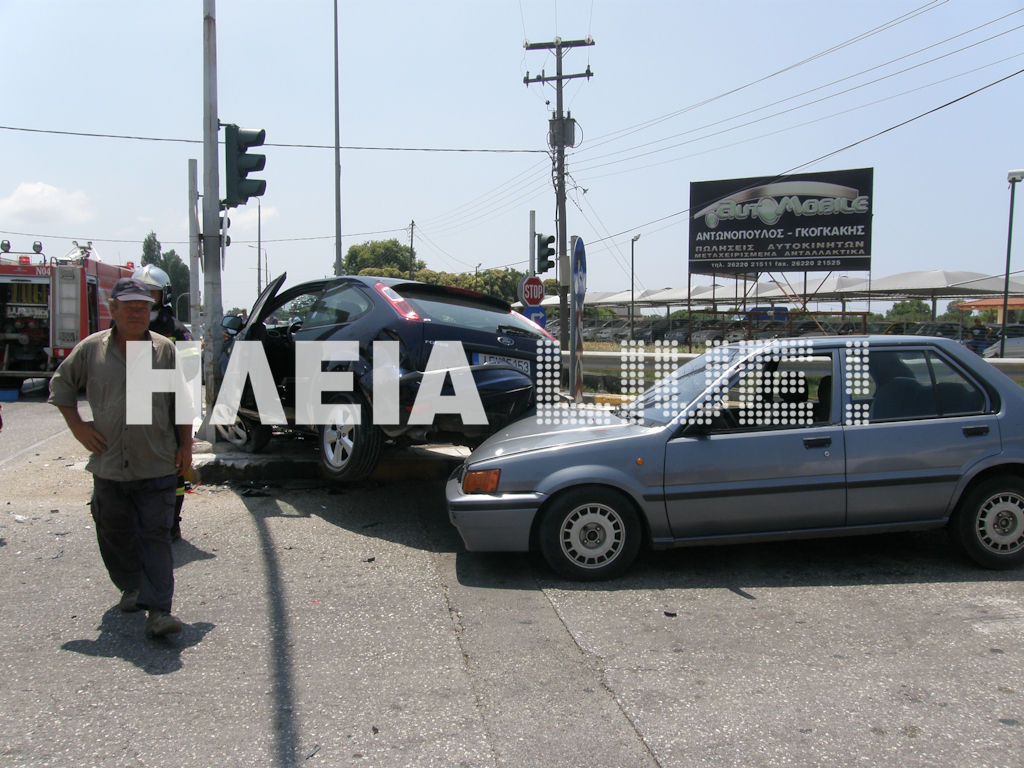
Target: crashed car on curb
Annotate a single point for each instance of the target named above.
(500, 351)
(760, 441)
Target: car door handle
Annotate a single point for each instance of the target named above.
(975, 431)
(817, 442)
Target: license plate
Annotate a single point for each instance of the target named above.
(515, 362)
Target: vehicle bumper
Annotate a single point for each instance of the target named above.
(486, 523)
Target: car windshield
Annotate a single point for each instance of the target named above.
(660, 404)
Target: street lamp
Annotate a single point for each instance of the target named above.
(260, 251)
(632, 298)
(1013, 177)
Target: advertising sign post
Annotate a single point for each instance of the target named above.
(808, 222)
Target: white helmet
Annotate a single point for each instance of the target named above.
(155, 279)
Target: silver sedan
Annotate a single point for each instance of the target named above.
(759, 441)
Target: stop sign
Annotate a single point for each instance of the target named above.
(531, 290)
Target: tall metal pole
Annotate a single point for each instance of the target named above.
(412, 256)
(533, 242)
(211, 218)
(194, 315)
(259, 250)
(632, 282)
(337, 152)
(1013, 177)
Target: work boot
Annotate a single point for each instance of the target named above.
(176, 530)
(160, 623)
(129, 597)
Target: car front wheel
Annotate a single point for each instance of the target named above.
(249, 436)
(349, 451)
(988, 523)
(590, 533)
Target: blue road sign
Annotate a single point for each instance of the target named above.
(539, 315)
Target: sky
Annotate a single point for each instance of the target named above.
(681, 91)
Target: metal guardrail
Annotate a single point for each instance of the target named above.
(1011, 366)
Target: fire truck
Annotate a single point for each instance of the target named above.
(48, 305)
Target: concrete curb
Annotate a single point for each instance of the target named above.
(295, 459)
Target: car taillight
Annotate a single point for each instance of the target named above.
(400, 305)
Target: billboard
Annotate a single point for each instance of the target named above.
(805, 222)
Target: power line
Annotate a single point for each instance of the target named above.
(129, 137)
(804, 93)
(787, 128)
(910, 15)
(836, 151)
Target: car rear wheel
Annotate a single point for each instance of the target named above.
(247, 435)
(590, 533)
(988, 523)
(349, 451)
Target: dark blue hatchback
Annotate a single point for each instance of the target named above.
(464, 332)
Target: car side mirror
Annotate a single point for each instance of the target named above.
(232, 323)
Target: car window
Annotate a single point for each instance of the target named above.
(341, 305)
(465, 312)
(956, 394)
(918, 385)
(782, 388)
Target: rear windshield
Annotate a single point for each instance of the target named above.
(466, 312)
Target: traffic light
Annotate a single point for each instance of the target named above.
(545, 252)
(225, 222)
(238, 164)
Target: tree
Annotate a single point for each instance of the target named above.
(952, 313)
(375, 255)
(389, 258)
(914, 310)
(175, 268)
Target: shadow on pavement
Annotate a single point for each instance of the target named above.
(186, 552)
(122, 636)
(898, 558)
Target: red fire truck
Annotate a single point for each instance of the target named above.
(48, 305)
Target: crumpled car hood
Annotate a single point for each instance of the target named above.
(530, 434)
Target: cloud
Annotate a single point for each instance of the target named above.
(245, 219)
(36, 205)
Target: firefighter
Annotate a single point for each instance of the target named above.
(163, 321)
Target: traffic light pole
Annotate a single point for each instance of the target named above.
(211, 220)
(533, 242)
(558, 141)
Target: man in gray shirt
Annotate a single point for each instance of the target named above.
(134, 466)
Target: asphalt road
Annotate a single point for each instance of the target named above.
(347, 626)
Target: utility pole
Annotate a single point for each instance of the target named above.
(412, 254)
(211, 219)
(560, 128)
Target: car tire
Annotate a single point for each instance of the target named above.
(590, 533)
(988, 524)
(349, 451)
(250, 436)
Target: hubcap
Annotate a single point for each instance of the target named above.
(592, 535)
(338, 439)
(234, 433)
(1000, 523)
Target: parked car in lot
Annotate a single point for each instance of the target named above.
(500, 351)
(758, 441)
